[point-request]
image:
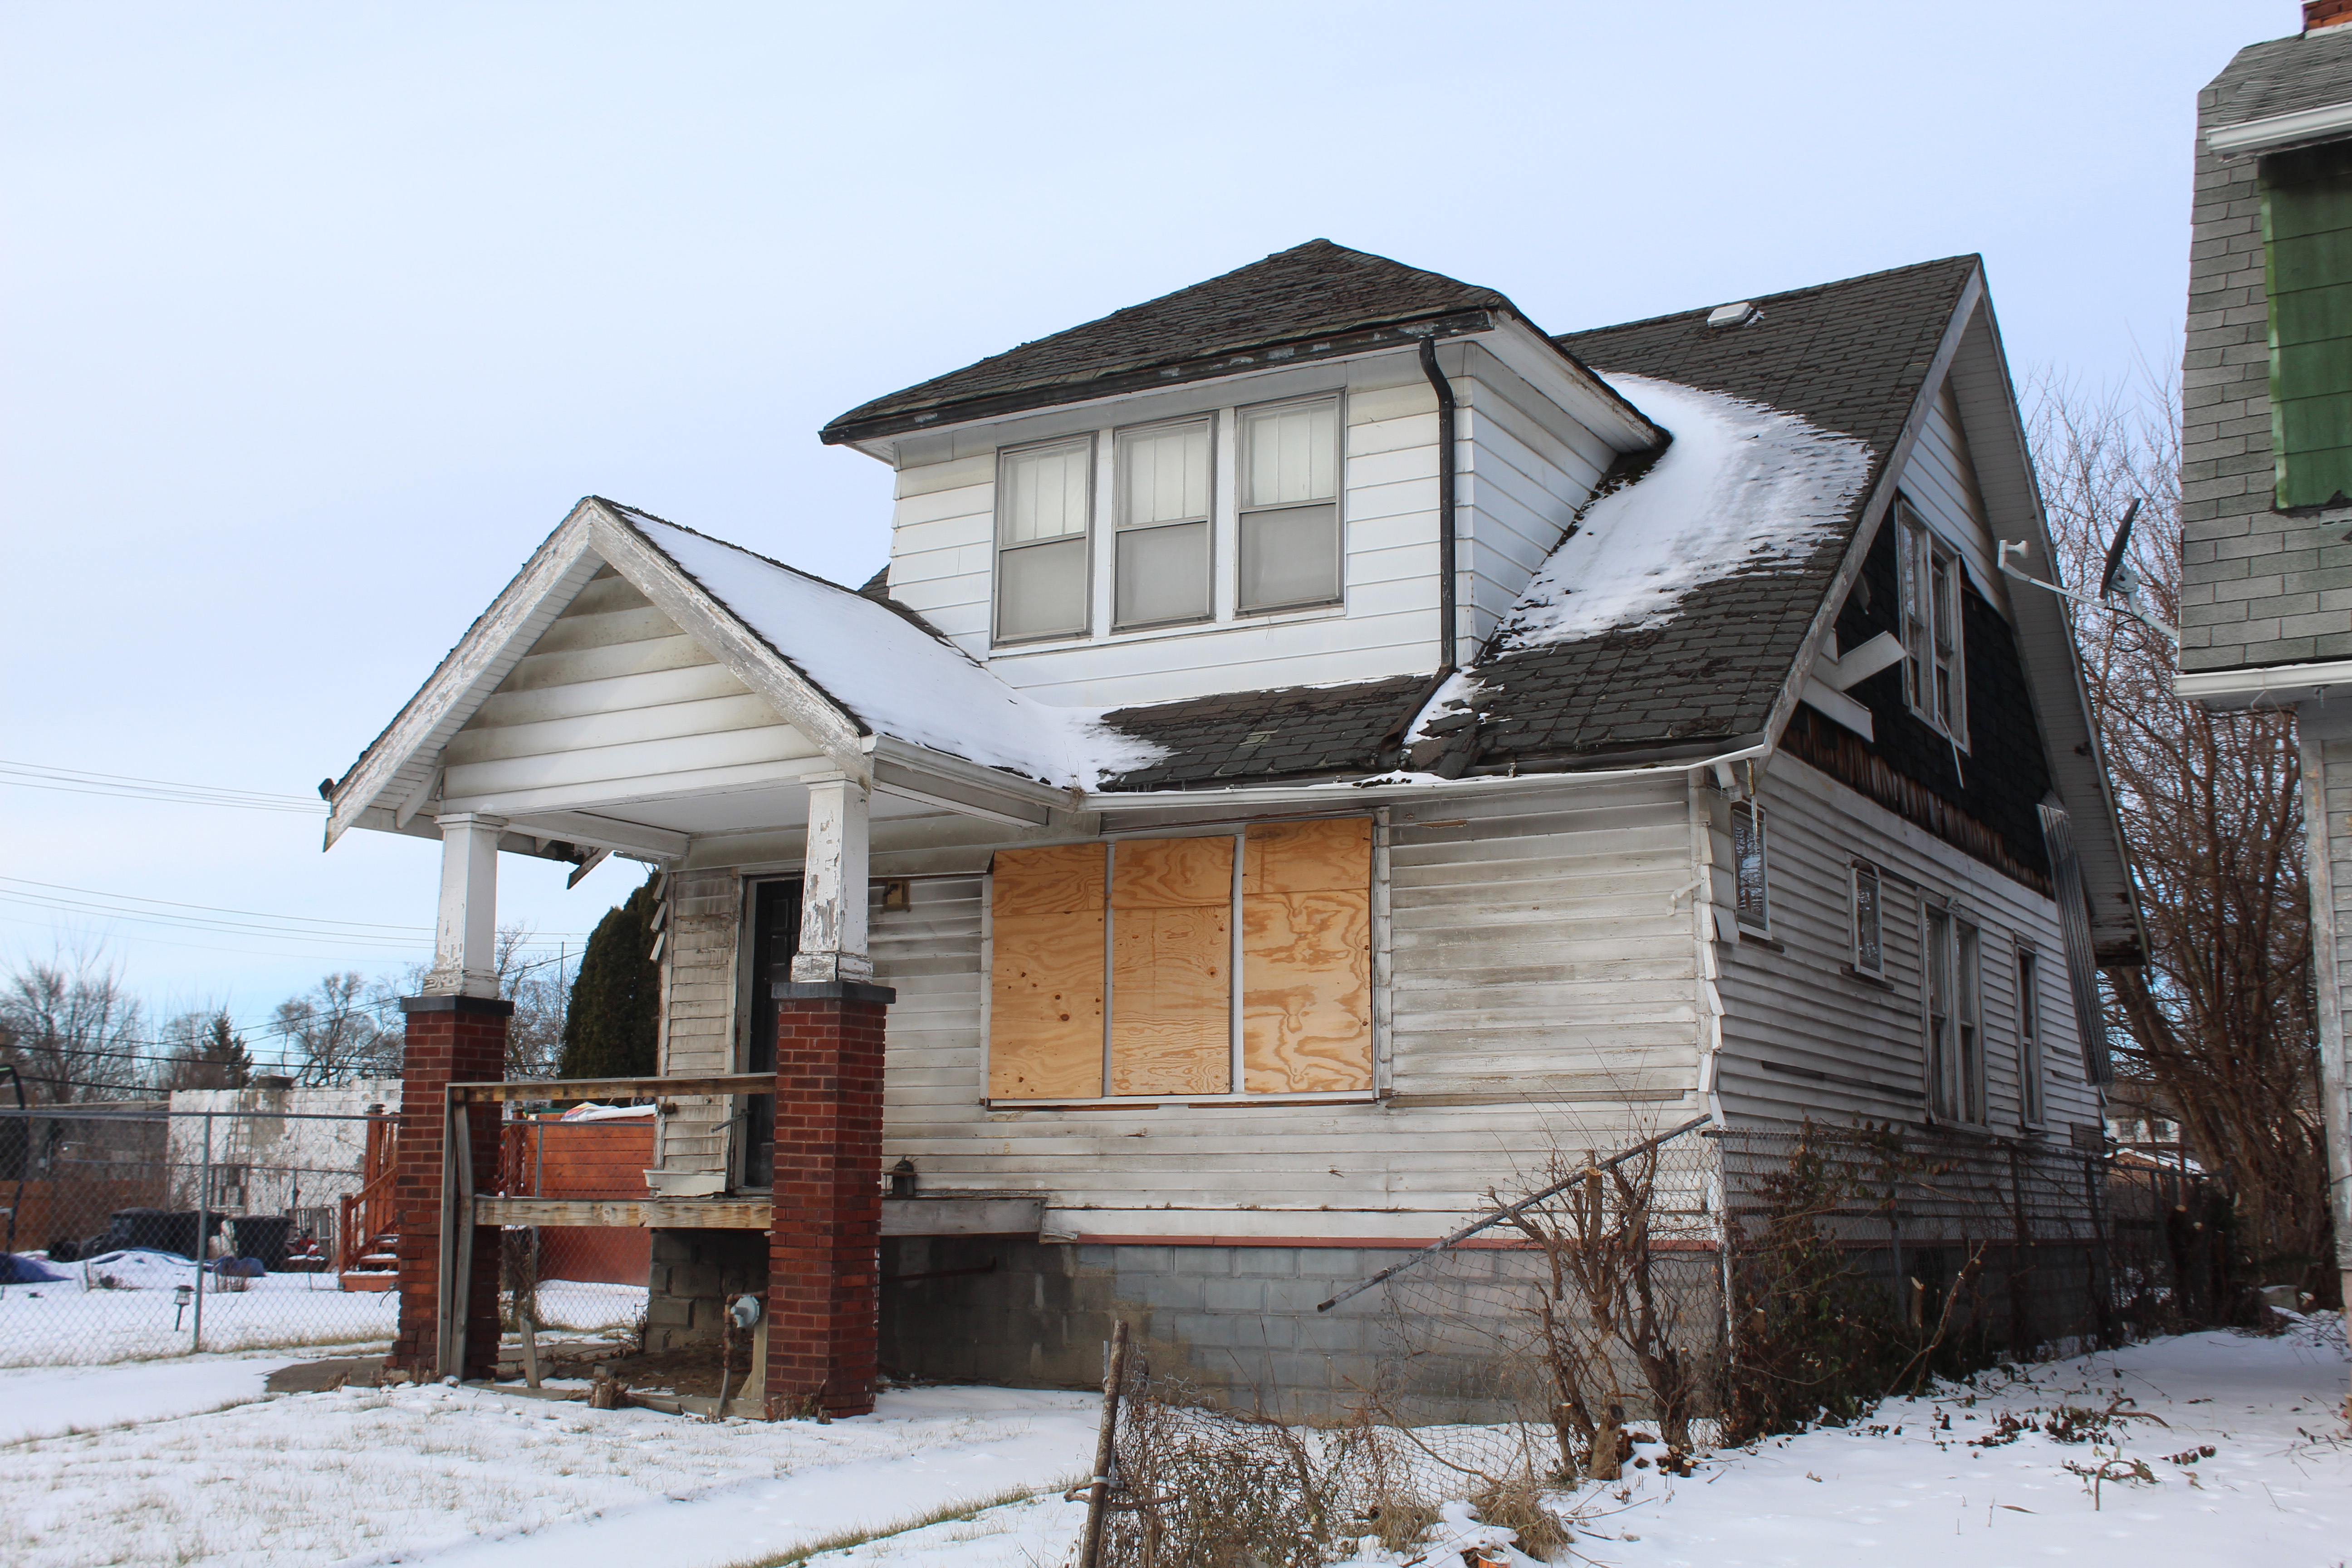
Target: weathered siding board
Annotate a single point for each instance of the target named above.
(1866, 1044)
(699, 1028)
(613, 700)
(1526, 468)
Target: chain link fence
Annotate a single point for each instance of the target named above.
(137, 1229)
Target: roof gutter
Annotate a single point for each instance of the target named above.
(2274, 132)
(1424, 787)
(1447, 611)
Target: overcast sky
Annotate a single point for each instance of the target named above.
(318, 319)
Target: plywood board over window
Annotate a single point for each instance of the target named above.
(1307, 972)
(1171, 966)
(1046, 980)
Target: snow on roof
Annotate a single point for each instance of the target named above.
(892, 676)
(1742, 486)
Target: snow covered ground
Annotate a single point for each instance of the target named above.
(84, 1320)
(461, 1477)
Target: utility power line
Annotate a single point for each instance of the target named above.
(120, 787)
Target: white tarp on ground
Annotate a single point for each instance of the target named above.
(456, 1476)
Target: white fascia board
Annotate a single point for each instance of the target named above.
(934, 778)
(2326, 123)
(2270, 686)
(605, 833)
(1587, 399)
(489, 651)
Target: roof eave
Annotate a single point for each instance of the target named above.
(1282, 353)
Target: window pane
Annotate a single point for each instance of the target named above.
(1290, 557)
(1046, 492)
(1867, 951)
(1041, 589)
(1293, 454)
(1164, 475)
(1163, 574)
(1748, 853)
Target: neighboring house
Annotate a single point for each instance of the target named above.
(275, 1149)
(2267, 462)
(1319, 743)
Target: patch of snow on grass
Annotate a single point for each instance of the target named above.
(1741, 486)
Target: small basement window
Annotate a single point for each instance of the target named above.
(1748, 866)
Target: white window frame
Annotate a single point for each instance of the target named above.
(1244, 511)
(1857, 871)
(1206, 521)
(1951, 1014)
(999, 547)
(2032, 1104)
(1932, 584)
(1758, 918)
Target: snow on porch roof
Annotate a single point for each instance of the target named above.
(890, 675)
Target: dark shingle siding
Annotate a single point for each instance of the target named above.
(1313, 289)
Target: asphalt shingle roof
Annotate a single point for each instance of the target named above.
(1851, 357)
(1314, 290)
(2309, 71)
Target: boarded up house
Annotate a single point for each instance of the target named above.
(1315, 732)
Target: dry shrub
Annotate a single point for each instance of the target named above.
(1516, 1502)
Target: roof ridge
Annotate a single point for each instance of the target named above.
(1974, 257)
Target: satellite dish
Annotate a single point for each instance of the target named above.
(2116, 571)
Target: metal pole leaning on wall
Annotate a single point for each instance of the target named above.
(1496, 1216)
(1105, 1448)
(203, 1224)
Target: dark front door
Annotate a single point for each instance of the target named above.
(775, 936)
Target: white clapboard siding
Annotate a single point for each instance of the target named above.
(1541, 975)
(942, 552)
(699, 1006)
(1527, 469)
(612, 700)
(1940, 481)
(1858, 1049)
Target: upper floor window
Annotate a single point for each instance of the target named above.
(1748, 860)
(1160, 557)
(1290, 505)
(1045, 497)
(1955, 1039)
(1935, 668)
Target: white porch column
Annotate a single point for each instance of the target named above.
(832, 885)
(465, 940)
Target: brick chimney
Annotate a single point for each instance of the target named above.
(2318, 13)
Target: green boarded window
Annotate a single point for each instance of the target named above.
(2307, 251)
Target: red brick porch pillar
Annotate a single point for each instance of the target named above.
(451, 1039)
(825, 1238)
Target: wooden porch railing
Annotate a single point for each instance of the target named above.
(371, 1212)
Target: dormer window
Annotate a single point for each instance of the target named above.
(1290, 505)
(1162, 555)
(1045, 496)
